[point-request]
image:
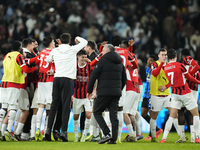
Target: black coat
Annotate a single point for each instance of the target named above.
(111, 75)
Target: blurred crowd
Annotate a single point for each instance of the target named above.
(152, 24)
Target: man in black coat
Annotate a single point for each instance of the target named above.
(111, 76)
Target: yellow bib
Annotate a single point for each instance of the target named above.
(160, 80)
(12, 71)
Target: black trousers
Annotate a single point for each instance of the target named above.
(110, 102)
(62, 90)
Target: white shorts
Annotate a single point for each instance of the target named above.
(9, 96)
(186, 100)
(35, 98)
(131, 102)
(158, 102)
(23, 100)
(195, 95)
(78, 105)
(122, 98)
(45, 92)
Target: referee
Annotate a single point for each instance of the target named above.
(65, 59)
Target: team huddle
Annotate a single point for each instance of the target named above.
(32, 81)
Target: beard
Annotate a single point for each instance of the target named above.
(35, 50)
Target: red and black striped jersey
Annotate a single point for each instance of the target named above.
(45, 66)
(126, 56)
(175, 73)
(81, 81)
(187, 61)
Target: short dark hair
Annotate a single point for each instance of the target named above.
(82, 52)
(92, 44)
(125, 42)
(47, 40)
(110, 47)
(65, 38)
(27, 41)
(154, 57)
(171, 53)
(162, 50)
(16, 45)
(185, 52)
(116, 40)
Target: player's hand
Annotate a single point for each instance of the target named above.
(131, 42)
(130, 67)
(88, 60)
(59, 42)
(89, 96)
(94, 94)
(50, 73)
(104, 43)
(72, 99)
(162, 88)
(37, 68)
(76, 41)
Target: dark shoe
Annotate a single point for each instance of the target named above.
(105, 139)
(112, 142)
(17, 137)
(3, 138)
(48, 135)
(56, 135)
(63, 136)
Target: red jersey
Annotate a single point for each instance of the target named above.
(81, 81)
(132, 81)
(126, 56)
(45, 66)
(26, 69)
(187, 61)
(175, 73)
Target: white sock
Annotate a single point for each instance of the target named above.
(91, 129)
(176, 125)
(130, 129)
(3, 129)
(168, 127)
(120, 118)
(182, 129)
(11, 119)
(96, 130)
(19, 128)
(39, 117)
(33, 125)
(87, 125)
(45, 125)
(138, 123)
(18, 115)
(196, 125)
(2, 115)
(75, 124)
(153, 127)
(107, 120)
(192, 133)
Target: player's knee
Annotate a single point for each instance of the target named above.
(88, 115)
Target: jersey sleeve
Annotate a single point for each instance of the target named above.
(187, 60)
(22, 64)
(133, 60)
(183, 69)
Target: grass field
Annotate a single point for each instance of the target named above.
(140, 145)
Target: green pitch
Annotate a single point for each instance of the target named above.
(140, 145)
